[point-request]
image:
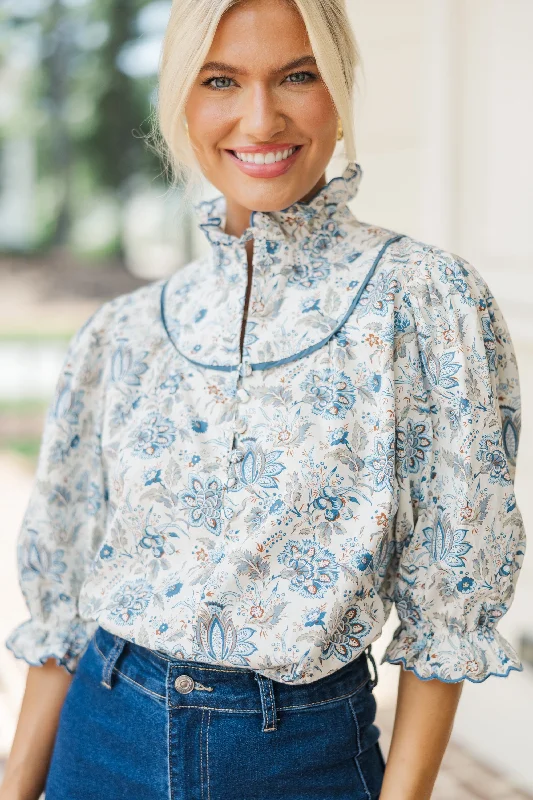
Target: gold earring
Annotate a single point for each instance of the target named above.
(340, 132)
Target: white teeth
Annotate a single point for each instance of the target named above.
(265, 158)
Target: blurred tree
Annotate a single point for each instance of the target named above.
(92, 104)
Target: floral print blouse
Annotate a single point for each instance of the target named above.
(266, 509)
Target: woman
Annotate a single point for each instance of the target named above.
(247, 465)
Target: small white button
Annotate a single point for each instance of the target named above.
(236, 456)
(242, 395)
(245, 368)
(241, 425)
(232, 482)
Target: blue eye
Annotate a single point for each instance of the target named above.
(308, 76)
(209, 82)
(222, 82)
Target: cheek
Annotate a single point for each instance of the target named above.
(315, 114)
(208, 119)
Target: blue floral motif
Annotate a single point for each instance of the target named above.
(68, 404)
(106, 551)
(130, 601)
(440, 371)
(492, 460)
(489, 340)
(40, 562)
(510, 432)
(173, 589)
(256, 467)
(155, 539)
(309, 274)
(172, 383)
(455, 274)
(381, 464)
(310, 567)
(154, 435)
(331, 393)
(339, 437)
(363, 560)
(488, 618)
(94, 499)
(330, 503)
(126, 367)
(412, 447)
(219, 640)
(445, 543)
(199, 425)
(466, 585)
(347, 640)
(204, 501)
(379, 295)
(151, 476)
(408, 609)
(373, 383)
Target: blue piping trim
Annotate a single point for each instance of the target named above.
(262, 365)
(221, 368)
(403, 663)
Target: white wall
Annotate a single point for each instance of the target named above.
(445, 130)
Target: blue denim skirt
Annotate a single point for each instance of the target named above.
(138, 725)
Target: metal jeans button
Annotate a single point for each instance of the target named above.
(184, 684)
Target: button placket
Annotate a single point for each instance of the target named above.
(240, 424)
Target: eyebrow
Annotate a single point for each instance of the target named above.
(304, 61)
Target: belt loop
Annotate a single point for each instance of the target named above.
(111, 660)
(374, 680)
(268, 704)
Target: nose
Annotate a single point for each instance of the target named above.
(261, 118)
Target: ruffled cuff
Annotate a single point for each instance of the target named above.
(35, 642)
(452, 656)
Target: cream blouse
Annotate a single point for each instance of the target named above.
(266, 511)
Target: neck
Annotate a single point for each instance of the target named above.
(238, 216)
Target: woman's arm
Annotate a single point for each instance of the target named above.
(27, 766)
(424, 719)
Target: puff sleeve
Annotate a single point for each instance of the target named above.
(65, 517)
(459, 537)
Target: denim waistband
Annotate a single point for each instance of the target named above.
(184, 683)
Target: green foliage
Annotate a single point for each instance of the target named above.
(87, 113)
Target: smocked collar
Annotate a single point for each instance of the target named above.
(311, 263)
(288, 222)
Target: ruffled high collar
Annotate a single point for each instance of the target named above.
(310, 263)
(299, 216)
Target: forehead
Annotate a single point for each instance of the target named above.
(260, 33)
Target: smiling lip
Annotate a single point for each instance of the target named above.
(265, 170)
(265, 148)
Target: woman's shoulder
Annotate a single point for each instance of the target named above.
(426, 272)
(128, 317)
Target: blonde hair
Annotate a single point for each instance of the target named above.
(188, 38)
